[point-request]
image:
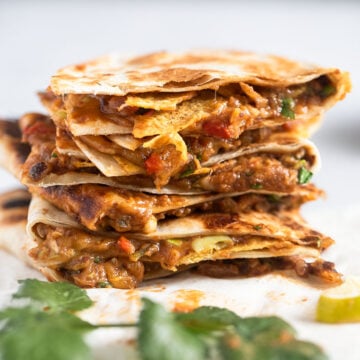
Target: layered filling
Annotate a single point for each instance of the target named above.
(103, 208)
(324, 270)
(161, 135)
(262, 166)
(90, 260)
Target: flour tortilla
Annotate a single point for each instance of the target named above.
(98, 207)
(299, 239)
(270, 235)
(120, 75)
(165, 72)
(14, 153)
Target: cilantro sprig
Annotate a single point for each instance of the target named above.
(44, 326)
(58, 296)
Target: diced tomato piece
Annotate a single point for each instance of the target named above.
(291, 125)
(126, 245)
(153, 164)
(217, 128)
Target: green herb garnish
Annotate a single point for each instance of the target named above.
(304, 175)
(54, 155)
(55, 296)
(257, 227)
(256, 186)
(46, 328)
(287, 106)
(327, 91)
(186, 173)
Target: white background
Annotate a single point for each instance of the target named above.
(38, 37)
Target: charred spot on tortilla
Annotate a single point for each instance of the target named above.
(11, 128)
(22, 150)
(15, 203)
(37, 170)
(216, 221)
(14, 207)
(14, 219)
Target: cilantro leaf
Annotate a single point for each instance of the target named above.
(208, 318)
(32, 334)
(57, 296)
(264, 328)
(292, 350)
(54, 332)
(287, 106)
(232, 347)
(162, 337)
(270, 338)
(220, 334)
(304, 175)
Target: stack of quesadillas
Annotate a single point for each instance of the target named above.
(149, 165)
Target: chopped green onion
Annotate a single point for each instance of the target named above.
(287, 106)
(257, 227)
(54, 155)
(256, 186)
(304, 175)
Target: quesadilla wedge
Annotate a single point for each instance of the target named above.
(88, 259)
(150, 165)
(276, 164)
(162, 104)
(107, 208)
(101, 208)
(118, 272)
